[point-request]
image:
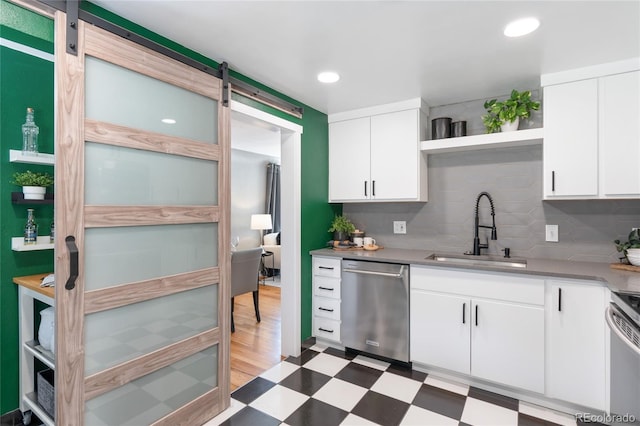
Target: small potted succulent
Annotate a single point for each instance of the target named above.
(341, 228)
(505, 115)
(34, 185)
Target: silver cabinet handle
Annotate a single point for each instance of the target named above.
(382, 274)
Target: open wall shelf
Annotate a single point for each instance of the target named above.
(18, 198)
(17, 244)
(486, 141)
(16, 156)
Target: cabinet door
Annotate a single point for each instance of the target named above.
(620, 135)
(395, 155)
(507, 344)
(439, 325)
(349, 160)
(571, 140)
(576, 343)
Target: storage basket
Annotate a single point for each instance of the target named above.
(46, 393)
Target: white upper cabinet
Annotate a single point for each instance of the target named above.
(620, 135)
(349, 164)
(374, 154)
(592, 132)
(571, 139)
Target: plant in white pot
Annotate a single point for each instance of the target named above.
(34, 185)
(505, 115)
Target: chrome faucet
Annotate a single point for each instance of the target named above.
(494, 235)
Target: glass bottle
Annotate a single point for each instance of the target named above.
(30, 229)
(30, 135)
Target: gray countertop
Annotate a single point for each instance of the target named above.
(616, 280)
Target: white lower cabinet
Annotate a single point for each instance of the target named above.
(488, 325)
(326, 297)
(576, 343)
(439, 325)
(507, 343)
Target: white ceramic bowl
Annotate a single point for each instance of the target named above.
(635, 251)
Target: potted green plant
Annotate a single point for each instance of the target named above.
(633, 242)
(505, 115)
(341, 228)
(34, 184)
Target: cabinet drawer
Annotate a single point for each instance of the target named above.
(327, 267)
(484, 284)
(326, 287)
(326, 328)
(326, 308)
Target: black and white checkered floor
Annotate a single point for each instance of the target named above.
(323, 387)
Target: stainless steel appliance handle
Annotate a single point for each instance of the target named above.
(612, 325)
(382, 274)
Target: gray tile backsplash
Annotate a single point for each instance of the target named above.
(513, 177)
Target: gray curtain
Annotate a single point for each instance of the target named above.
(272, 205)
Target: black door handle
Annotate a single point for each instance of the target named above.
(325, 330)
(365, 188)
(373, 188)
(325, 309)
(325, 288)
(476, 315)
(553, 180)
(559, 300)
(73, 262)
(464, 309)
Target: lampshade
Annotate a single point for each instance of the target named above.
(261, 221)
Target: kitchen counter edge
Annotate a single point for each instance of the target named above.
(616, 280)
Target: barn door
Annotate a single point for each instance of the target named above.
(142, 209)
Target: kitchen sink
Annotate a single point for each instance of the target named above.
(501, 262)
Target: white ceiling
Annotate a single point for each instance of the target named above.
(252, 135)
(387, 51)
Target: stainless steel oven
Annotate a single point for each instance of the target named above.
(623, 318)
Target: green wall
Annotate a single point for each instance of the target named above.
(28, 81)
(25, 81)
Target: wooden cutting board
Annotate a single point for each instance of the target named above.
(625, 267)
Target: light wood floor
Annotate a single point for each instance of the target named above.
(255, 347)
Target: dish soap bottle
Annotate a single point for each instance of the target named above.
(30, 229)
(30, 135)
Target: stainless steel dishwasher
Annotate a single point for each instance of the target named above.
(375, 308)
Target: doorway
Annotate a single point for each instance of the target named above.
(290, 149)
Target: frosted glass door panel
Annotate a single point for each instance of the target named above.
(118, 335)
(129, 254)
(124, 176)
(151, 397)
(121, 96)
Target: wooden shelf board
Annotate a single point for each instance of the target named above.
(16, 156)
(486, 141)
(32, 282)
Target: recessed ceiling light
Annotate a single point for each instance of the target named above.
(168, 121)
(521, 27)
(328, 77)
